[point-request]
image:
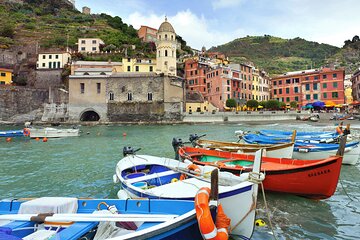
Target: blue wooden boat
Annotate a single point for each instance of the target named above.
(74, 218)
(299, 135)
(310, 149)
(12, 133)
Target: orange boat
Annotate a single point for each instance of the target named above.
(316, 179)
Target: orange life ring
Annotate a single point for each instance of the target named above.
(191, 167)
(208, 229)
(26, 132)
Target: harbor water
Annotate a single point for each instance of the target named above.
(83, 167)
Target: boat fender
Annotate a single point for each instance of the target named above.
(26, 132)
(208, 229)
(260, 223)
(304, 150)
(192, 167)
(174, 180)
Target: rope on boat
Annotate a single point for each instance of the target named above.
(252, 207)
(267, 211)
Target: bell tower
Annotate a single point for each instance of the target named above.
(166, 49)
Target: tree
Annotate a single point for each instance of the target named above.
(272, 104)
(231, 103)
(282, 105)
(262, 103)
(252, 104)
(355, 39)
(293, 104)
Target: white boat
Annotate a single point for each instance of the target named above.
(143, 176)
(49, 132)
(350, 157)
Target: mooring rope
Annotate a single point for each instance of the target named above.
(267, 211)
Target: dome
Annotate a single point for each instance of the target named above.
(166, 27)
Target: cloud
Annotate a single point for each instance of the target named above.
(217, 4)
(195, 30)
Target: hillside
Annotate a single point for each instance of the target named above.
(277, 55)
(52, 24)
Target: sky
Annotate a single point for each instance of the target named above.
(215, 22)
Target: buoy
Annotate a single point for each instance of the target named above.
(260, 223)
(45, 139)
(9, 139)
(124, 134)
(37, 139)
(174, 180)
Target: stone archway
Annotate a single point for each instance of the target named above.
(89, 116)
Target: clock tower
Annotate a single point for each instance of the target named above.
(166, 49)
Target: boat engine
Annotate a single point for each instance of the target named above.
(129, 151)
(177, 143)
(194, 137)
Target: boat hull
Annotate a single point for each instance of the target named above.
(12, 133)
(185, 226)
(315, 179)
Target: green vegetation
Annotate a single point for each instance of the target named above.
(252, 104)
(293, 104)
(272, 104)
(231, 103)
(277, 55)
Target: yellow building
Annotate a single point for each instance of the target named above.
(5, 76)
(138, 65)
(255, 85)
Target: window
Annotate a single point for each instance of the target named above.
(297, 98)
(275, 92)
(296, 89)
(324, 76)
(2, 82)
(128, 59)
(316, 77)
(159, 54)
(128, 68)
(43, 64)
(50, 56)
(324, 85)
(150, 96)
(315, 86)
(334, 75)
(3, 74)
(56, 56)
(165, 36)
(335, 84)
(334, 95)
(82, 48)
(166, 53)
(136, 68)
(306, 78)
(315, 96)
(280, 82)
(111, 96)
(307, 96)
(94, 48)
(287, 99)
(280, 91)
(287, 90)
(83, 41)
(129, 96)
(307, 87)
(288, 81)
(98, 87)
(44, 56)
(50, 64)
(82, 87)
(94, 41)
(274, 83)
(325, 95)
(296, 80)
(151, 68)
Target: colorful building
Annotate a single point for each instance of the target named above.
(53, 60)
(147, 34)
(309, 86)
(5, 76)
(89, 45)
(138, 65)
(355, 80)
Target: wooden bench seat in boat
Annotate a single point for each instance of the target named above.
(151, 176)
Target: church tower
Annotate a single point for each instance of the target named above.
(166, 49)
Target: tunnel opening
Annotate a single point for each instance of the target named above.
(89, 116)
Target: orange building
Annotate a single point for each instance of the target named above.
(309, 86)
(147, 34)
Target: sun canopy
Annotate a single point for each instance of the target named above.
(329, 104)
(318, 104)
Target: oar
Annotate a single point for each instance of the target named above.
(293, 137)
(88, 217)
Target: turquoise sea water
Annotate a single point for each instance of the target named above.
(83, 167)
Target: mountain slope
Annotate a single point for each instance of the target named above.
(277, 55)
